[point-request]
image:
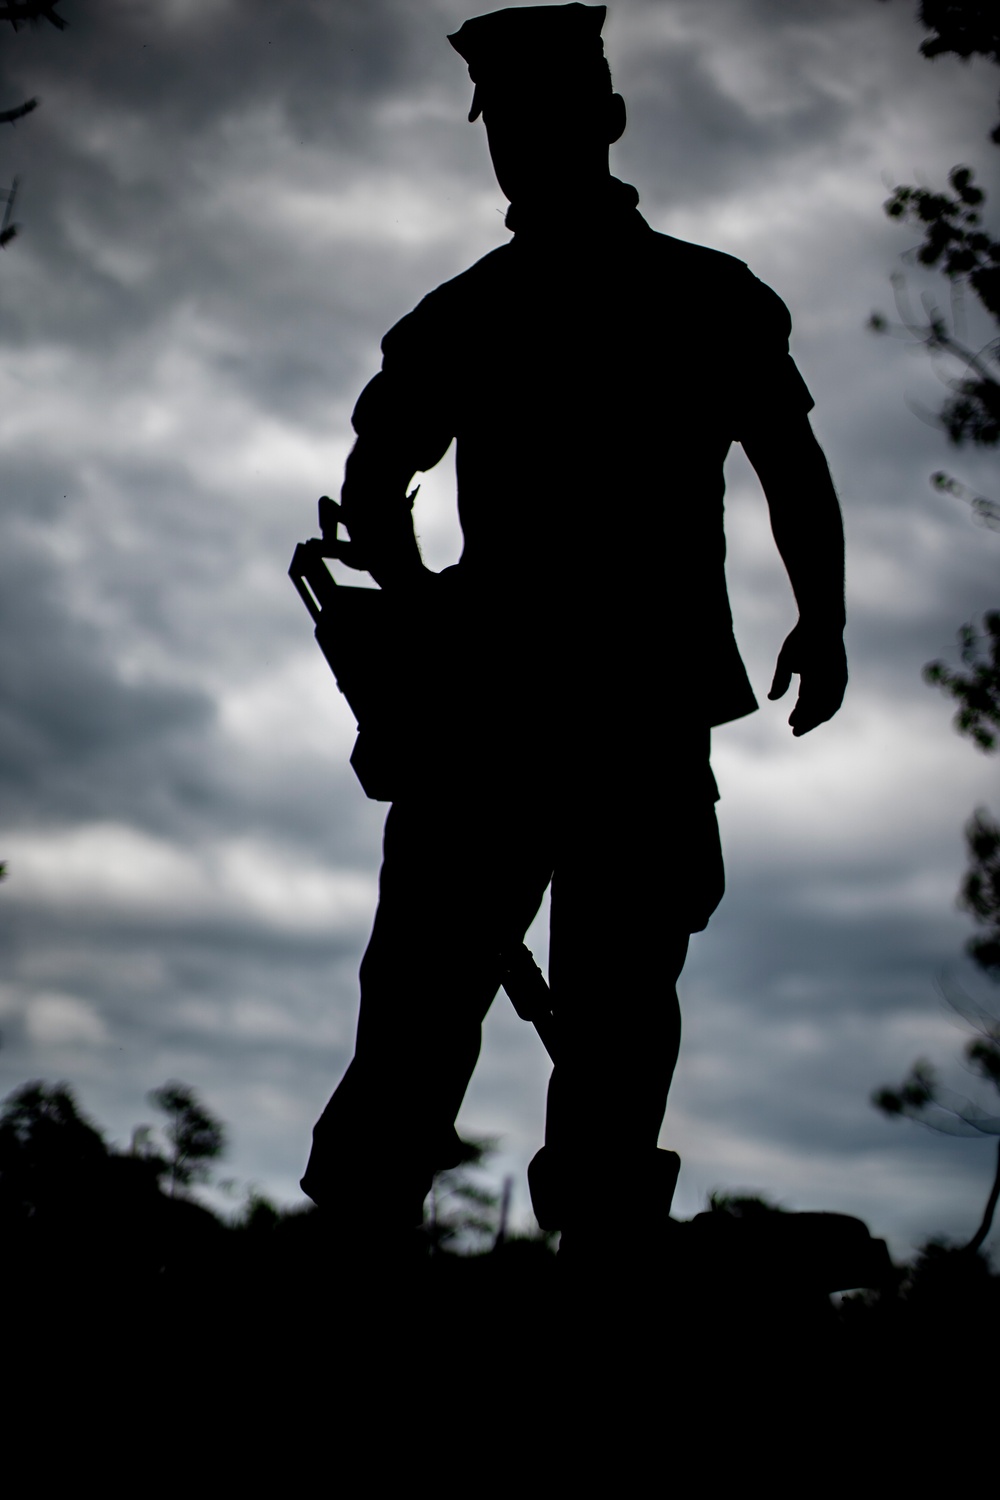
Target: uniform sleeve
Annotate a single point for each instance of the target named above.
(769, 387)
(407, 405)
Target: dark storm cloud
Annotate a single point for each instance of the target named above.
(101, 722)
(188, 66)
(706, 143)
(66, 713)
(150, 117)
(237, 1012)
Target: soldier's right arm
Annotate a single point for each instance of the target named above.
(772, 404)
(403, 427)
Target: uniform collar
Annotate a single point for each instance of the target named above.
(610, 212)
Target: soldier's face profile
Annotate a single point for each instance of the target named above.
(541, 137)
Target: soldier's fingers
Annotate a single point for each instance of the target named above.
(805, 723)
(813, 708)
(782, 677)
(805, 715)
(800, 722)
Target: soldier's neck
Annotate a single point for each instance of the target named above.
(575, 205)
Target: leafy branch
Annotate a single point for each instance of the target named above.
(196, 1137)
(978, 690)
(986, 511)
(965, 28)
(955, 243)
(980, 896)
(923, 1098)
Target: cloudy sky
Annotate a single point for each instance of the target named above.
(223, 208)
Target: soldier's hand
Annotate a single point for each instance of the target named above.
(817, 657)
(340, 547)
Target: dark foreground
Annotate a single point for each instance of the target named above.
(283, 1349)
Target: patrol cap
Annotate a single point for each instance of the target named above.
(510, 47)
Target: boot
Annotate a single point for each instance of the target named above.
(568, 1193)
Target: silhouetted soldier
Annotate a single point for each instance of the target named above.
(594, 374)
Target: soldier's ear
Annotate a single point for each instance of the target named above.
(617, 118)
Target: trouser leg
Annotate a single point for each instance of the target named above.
(459, 884)
(626, 893)
(608, 1091)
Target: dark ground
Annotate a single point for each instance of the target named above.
(281, 1348)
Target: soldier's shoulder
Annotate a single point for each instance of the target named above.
(685, 257)
(476, 282)
(455, 299)
(729, 281)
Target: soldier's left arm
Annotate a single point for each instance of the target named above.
(404, 425)
(809, 533)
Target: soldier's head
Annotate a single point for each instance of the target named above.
(543, 87)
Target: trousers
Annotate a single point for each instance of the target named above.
(633, 872)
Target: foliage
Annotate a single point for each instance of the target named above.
(960, 248)
(459, 1210)
(953, 237)
(922, 1097)
(41, 1124)
(955, 242)
(743, 1205)
(965, 28)
(978, 690)
(980, 894)
(259, 1216)
(51, 1156)
(986, 511)
(957, 246)
(195, 1136)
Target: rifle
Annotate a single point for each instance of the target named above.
(358, 631)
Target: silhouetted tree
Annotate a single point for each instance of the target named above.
(195, 1136)
(956, 244)
(48, 1149)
